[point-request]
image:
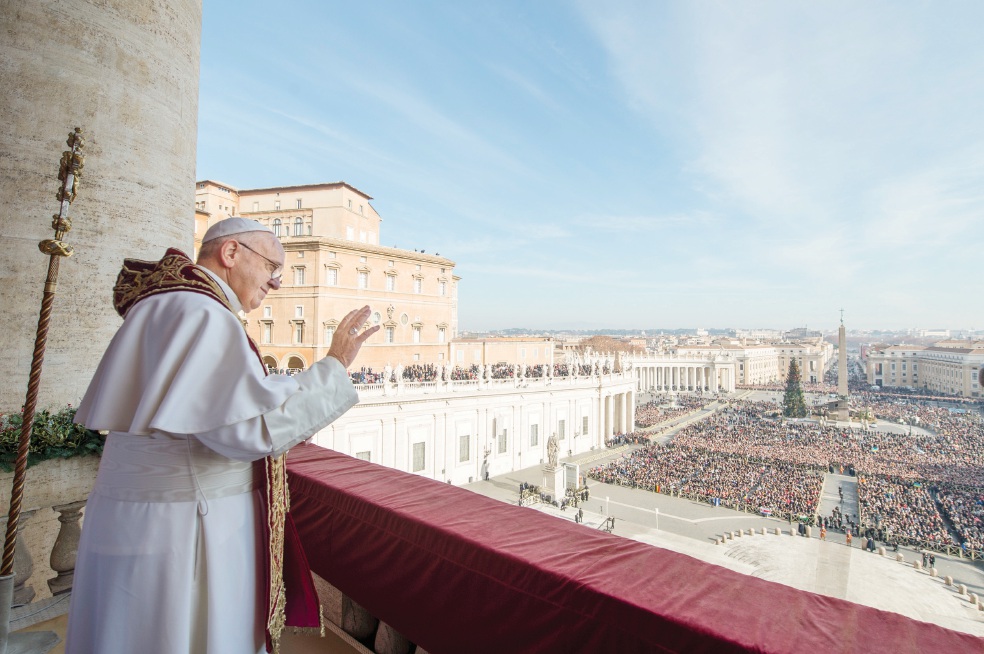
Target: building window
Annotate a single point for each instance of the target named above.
(464, 447)
(329, 334)
(276, 205)
(365, 456)
(363, 280)
(561, 430)
(584, 426)
(299, 332)
(503, 441)
(298, 226)
(418, 285)
(534, 435)
(418, 456)
(267, 332)
(350, 233)
(443, 289)
(390, 334)
(332, 279)
(298, 203)
(299, 311)
(442, 335)
(349, 204)
(360, 209)
(256, 206)
(416, 334)
(362, 236)
(363, 259)
(298, 276)
(276, 227)
(267, 312)
(390, 282)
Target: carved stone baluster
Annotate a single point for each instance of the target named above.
(390, 641)
(23, 563)
(66, 546)
(356, 621)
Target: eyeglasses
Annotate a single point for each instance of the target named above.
(276, 272)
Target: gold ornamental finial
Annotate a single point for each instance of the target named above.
(69, 172)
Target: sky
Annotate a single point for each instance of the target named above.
(635, 165)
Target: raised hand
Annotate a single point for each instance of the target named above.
(347, 341)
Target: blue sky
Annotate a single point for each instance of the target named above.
(630, 164)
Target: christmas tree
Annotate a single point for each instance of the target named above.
(793, 404)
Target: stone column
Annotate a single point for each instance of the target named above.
(608, 417)
(630, 412)
(66, 546)
(128, 76)
(23, 563)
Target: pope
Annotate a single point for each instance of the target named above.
(185, 531)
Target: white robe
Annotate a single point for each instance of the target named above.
(167, 560)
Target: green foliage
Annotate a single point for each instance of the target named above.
(793, 404)
(54, 436)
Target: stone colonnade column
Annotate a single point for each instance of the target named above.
(127, 74)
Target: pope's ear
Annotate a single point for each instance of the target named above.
(227, 253)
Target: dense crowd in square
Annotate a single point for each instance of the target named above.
(909, 485)
(661, 410)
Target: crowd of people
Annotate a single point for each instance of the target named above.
(719, 478)
(429, 372)
(662, 409)
(632, 438)
(926, 486)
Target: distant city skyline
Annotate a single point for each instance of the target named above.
(622, 164)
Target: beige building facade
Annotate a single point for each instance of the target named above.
(813, 356)
(948, 367)
(334, 264)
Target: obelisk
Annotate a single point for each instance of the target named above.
(842, 411)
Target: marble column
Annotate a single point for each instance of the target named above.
(128, 76)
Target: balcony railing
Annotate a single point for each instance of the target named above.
(453, 571)
(440, 386)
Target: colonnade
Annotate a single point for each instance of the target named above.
(679, 376)
(618, 415)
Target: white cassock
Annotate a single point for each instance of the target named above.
(168, 561)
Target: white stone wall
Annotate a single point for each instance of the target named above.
(127, 73)
(387, 426)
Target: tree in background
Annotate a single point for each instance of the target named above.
(793, 404)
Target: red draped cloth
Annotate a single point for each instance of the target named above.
(458, 572)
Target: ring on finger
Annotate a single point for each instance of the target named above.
(354, 331)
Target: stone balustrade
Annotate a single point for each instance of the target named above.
(48, 529)
(401, 387)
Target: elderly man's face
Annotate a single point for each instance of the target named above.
(251, 278)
